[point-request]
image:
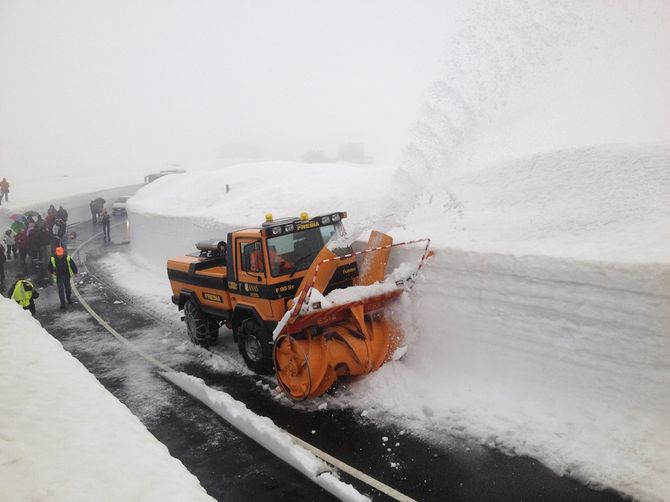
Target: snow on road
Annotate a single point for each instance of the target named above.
(266, 433)
(63, 436)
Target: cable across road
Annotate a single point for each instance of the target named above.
(164, 368)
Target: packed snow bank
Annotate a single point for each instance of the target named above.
(266, 433)
(64, 437)
(563, 360)
(279, 187)
(196, 205)
(600, 203)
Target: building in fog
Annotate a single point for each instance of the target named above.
(352, 153)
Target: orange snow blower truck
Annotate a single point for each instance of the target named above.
(298, 299)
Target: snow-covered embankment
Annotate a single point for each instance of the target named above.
(63, 436)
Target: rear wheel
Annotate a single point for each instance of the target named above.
(201, 329)
(255, 344)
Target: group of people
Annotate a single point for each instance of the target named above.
(34, 237)
(44, 240)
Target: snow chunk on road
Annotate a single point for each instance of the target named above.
(65, 437)
(266, 433)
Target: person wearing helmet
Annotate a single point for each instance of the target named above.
(63, 268)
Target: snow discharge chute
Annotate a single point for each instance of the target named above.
(319, 340)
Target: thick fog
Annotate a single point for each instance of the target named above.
(525, 78)
(90, 85)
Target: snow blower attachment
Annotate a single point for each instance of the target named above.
(315, 344)
(268, 283)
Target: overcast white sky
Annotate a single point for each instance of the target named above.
(124, 84)
(139, 86)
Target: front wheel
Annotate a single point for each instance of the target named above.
(255, 344)
(201, 329)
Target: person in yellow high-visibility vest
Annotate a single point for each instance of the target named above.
(24, 293)
(63, 268)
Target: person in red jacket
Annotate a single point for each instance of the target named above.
(21, 240)
(4, 190)
(50, 220)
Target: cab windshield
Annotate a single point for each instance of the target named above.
(295, 252)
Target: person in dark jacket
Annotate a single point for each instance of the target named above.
(63, 268)
(51, 217)
(94, 212)
(104, 218)
(3, 259)
(44, 248)
(24, 293)
(34, 244)
(61, 214)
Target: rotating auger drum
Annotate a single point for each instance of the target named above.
(309, 363)
(315, 346)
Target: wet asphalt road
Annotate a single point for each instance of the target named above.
(233, 467)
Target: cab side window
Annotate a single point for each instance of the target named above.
(252, 257)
